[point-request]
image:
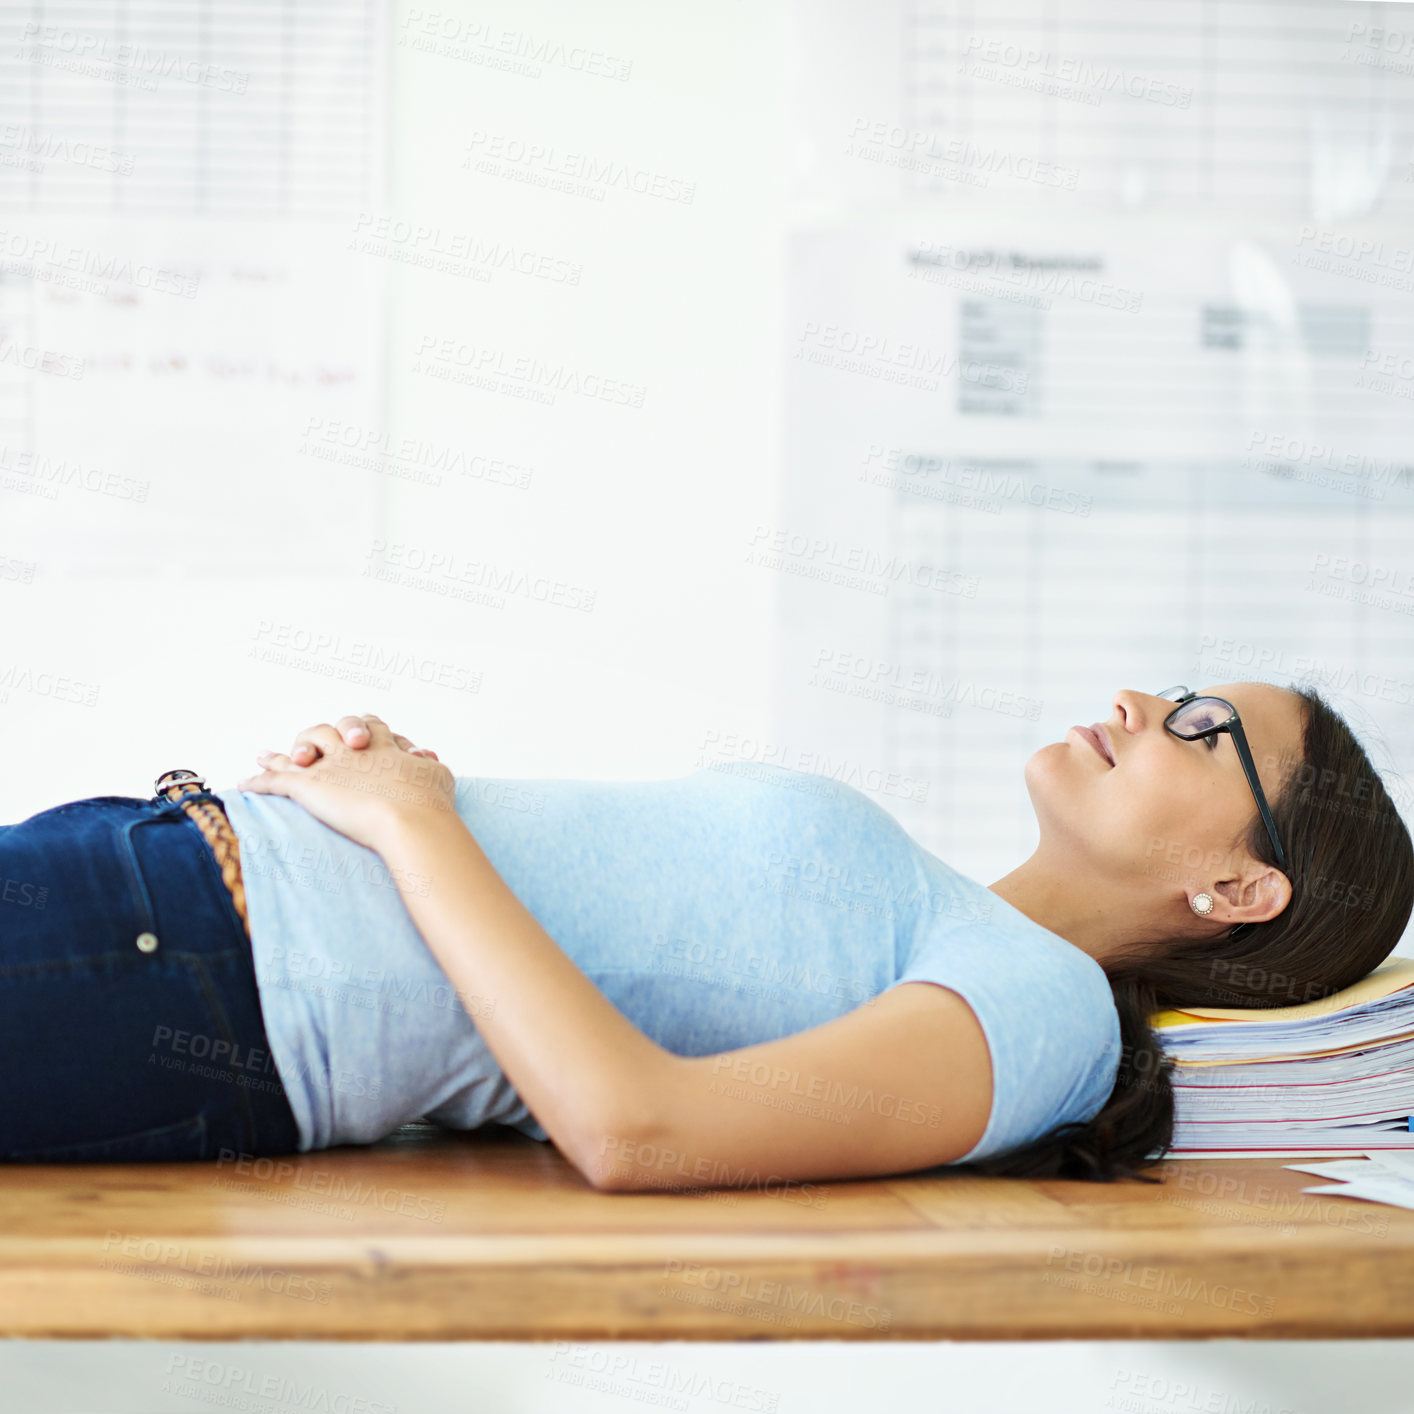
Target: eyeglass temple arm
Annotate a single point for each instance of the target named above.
(1239, 740)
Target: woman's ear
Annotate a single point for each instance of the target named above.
(1256, 897)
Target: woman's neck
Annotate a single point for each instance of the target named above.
(1097, 919)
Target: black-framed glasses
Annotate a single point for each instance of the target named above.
(1196, 717)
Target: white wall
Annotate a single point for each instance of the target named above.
(643, 506)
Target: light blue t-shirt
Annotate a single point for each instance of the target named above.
(731, 906)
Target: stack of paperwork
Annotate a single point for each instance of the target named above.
(1334, 1076)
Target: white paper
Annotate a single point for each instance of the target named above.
(1341, 1168)
(1370, 1190)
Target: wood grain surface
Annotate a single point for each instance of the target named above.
(435, 1235)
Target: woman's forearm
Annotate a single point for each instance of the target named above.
(585, 1071)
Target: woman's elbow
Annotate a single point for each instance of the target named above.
(630, 1148)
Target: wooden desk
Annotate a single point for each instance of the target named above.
(431, 1235)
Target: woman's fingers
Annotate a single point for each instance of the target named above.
(314, 742)
(354, 731)
(358, 733)
(277, 770)
(273, 782)
(378, 730)
(412, 750)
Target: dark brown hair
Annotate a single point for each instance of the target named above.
(1352, 894)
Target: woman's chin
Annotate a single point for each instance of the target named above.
(1051, 762)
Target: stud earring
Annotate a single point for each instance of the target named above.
(1202, 904)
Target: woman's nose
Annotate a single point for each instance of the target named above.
(1130, 708)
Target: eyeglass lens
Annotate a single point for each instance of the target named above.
(1199, 715)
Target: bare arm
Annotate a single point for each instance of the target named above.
(901, 1083)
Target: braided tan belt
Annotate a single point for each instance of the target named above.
(215, 828)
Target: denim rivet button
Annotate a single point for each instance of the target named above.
(147, 942)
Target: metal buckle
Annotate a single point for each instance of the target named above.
(180, 777)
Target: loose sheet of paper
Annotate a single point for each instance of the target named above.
(1380, 1178)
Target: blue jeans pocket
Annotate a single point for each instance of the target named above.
(164, 1143)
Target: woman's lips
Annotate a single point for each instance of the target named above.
(1102, 732)
(1095, 736)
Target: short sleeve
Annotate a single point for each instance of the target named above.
(1048, 1014)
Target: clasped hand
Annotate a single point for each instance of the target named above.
(358, 777)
